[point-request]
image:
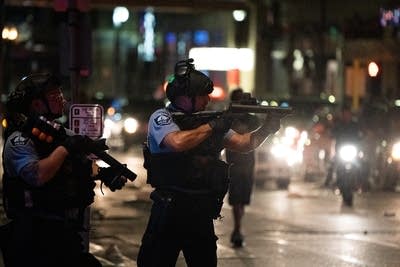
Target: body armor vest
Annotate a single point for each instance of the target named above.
(71, 187)
(198, 174)
(196, 169)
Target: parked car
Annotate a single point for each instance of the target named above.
(280, 158)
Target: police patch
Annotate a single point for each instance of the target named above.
(162, 119)
(19, 140)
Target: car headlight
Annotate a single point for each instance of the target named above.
(348, 153)
(396, 151)
(279, 150)
(130, 125)
(111, 127)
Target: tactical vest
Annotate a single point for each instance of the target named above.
(198, 171)
(191, 169)
(71, 187)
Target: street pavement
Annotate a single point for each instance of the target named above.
(305, 225)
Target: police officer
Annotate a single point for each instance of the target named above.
(47, 185)
(182, 158)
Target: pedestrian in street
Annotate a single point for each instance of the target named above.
(182, 158)
(241, 171)
(48, 181)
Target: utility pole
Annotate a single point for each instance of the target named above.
(76, 41)
(73, 25)
(2, 56)
(75, 64)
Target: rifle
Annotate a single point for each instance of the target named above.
(237, 108)
(53, 132)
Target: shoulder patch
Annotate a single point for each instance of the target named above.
(19, 140)
(163, 119)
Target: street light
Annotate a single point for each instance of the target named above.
(120, 16)
(373, 69)
(9, 33)
(239, 15)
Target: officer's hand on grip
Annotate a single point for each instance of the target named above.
(272, 123)
(111, 179)
(221, 124)
(98, 145)
(76, 143)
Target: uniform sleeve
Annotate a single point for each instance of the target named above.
(160, 125)
(229, 134)
(21, 158)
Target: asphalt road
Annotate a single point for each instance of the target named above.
(303, 226)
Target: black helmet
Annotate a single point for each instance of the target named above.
(29, 88)
(188, 82)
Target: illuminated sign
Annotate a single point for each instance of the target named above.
(222, 58)
(201, 37)
(146, 49)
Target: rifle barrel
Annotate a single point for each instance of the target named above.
(239, 108)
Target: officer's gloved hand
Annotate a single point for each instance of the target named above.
(221, 124)
(272, 123)
(110, 177)
(99, 145)
(76, 143)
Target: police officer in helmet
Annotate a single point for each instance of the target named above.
(182, 158)
(47, 185)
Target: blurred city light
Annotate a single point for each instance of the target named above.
(120, 15)
(147, 49)
(298, 61)
(218, 93)
(396, 151)
(110, 111)
(373, 69)
(131, 125)
(9, 33)
(239, 15)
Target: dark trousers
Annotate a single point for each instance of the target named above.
(177, 225)
(41, 242)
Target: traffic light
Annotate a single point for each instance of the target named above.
(373, 69)
(374, 79)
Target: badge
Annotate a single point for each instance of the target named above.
(19, 140)
(163, 119)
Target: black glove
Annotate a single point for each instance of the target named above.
(98, 145)
(221, 124)
(76, 143)
(272, 123)
(110, 177)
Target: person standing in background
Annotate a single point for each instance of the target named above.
(242, 171)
